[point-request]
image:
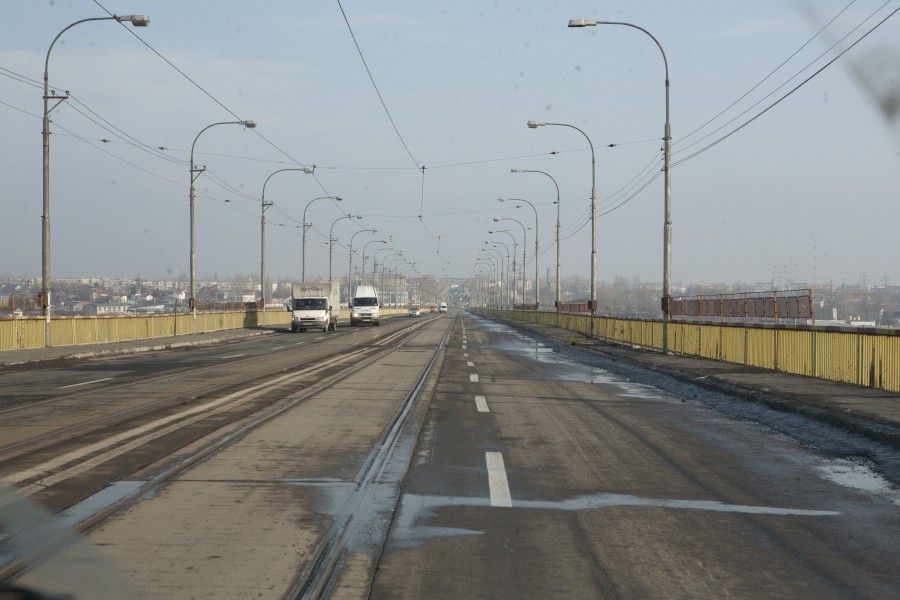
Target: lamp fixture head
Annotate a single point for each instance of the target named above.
(136, 20)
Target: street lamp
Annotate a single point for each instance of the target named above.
(524, 245)
(495, 275)
(350, 266)
(505, 274)
(364, 259)
(307, 226)
(557, 224)
(499, 267)
(537, 285)
(514, 252)
(593, 304)
(195, 173)
(262, 232)
(384, 264)
(136, 21)
(331, 240)
(375, 261)
(667, 176)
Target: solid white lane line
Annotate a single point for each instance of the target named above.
(232, 356)
(62, 387)
(473, 377)
(470, 364)
(481, 404)
(497, 482)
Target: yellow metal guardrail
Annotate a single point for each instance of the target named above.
(28, 332)
(868, 358)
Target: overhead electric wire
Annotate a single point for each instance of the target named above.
(115, 131)
(772, 72)
(21, 110)
(789, 93)
(204, 91)
(375, 85)
(21, 78)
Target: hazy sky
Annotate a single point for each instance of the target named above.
(811, 187)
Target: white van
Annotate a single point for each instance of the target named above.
(442, 308)
(364, 306)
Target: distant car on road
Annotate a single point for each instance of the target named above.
(414, 311)
(442, 308)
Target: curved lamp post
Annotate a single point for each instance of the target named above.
(307, 226)
(505, 274)
(331, 239)
(524, 245)
(557, 224)
(537, 285)
(136, 21)
(350, 266)
(375, 260)
(667, 173)
(535, 125)
(195, 173)
(366, 245)
(499, 269)
(514, 252)
(262, 232)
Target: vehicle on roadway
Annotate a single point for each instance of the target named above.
(315, 305)
(442, 308)
(364, 306)
(414, 311)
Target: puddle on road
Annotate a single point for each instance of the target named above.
(858, 475)
(410, 531)
(514, 342)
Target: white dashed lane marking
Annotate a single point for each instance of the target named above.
(62, 387)
(481, 404)
(497, 481)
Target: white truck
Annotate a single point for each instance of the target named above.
(315, 305)
(364, 306)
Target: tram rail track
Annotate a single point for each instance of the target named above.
(315, 577)
(227, 376)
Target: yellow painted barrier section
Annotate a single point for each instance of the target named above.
(734, 345)
(865, 358)
(794, 352)
(28, 332)
(837, 357)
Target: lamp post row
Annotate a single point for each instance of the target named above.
(143, 21)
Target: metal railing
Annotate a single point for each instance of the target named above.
(866, 357)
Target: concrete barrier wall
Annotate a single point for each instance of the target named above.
(868, 358)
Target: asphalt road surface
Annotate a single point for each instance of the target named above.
(438, 457)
